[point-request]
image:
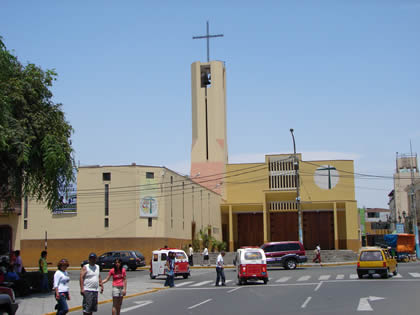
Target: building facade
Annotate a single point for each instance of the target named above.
(120, 207)
(9, 231)
(260, 203)
(377, 224)
(406, 172)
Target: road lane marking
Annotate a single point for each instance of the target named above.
(354, 276)
(306, 302)
(183, 283)
(318, 286)
(339, 277)
(364, 303)
(201, 303)
(324, 277)
(283, 279)
(414, 274)
(304, 278)
(397, 276)
(233, 290)
(139, 304)
(227, 281)
(201, 283)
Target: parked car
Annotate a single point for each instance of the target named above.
(131, 259)
(376, 260)
(287, 254)
(8, 304)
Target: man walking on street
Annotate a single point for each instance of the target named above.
(43, 269)
(220, 269)
(90, 280)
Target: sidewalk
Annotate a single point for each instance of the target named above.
(43, 303)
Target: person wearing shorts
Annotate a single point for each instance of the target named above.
(119, 285)
(90, 280)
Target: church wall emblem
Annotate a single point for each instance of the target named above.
(326, 177)
(148, 207)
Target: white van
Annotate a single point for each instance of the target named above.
(159, 256)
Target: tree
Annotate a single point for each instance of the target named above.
(36, 155)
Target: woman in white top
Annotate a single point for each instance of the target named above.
(61, 287)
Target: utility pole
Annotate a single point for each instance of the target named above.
(298, 204)
(413, 203)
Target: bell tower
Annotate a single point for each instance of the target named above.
(209, 143)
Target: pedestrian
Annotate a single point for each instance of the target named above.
(317, 253)
(19, 285)
(12, 258)
(61, 287)
(90, 280)
(18, 262)
(206, 256)
(220, 269)
(119, 285)
(43, 269)
(190, 256)
(169, 270)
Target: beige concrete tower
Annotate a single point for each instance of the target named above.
(209, 154)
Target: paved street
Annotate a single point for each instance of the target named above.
(307, 290)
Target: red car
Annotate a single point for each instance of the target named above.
(287, 254)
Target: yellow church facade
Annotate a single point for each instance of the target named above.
(260, 203)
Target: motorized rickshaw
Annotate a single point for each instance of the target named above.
(158, 262)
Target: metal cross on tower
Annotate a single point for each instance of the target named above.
(208, 36)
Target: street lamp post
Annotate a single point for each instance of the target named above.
(296, 166)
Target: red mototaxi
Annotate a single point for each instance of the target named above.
(251, 264)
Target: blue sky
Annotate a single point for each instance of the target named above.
(344, 74)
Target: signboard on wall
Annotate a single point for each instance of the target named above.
(149, 196)
(148, 207)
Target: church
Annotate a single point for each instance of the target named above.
(280, 198)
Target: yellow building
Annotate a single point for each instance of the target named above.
(260, 203)
(120, 207)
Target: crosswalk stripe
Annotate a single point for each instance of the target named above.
(183, 283)
(227, 281)
(324, 277)
(354, 276)
(304, 278)
(414, 274)
(201, 283)
(283, 279)
(339, 277)
(397, 276)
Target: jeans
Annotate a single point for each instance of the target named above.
(44, 282)
(169, 281)
(220, 274)
(62, 304)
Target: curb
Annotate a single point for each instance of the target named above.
(329, 264)
(77, 308)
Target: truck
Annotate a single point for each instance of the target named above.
(402, 245)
